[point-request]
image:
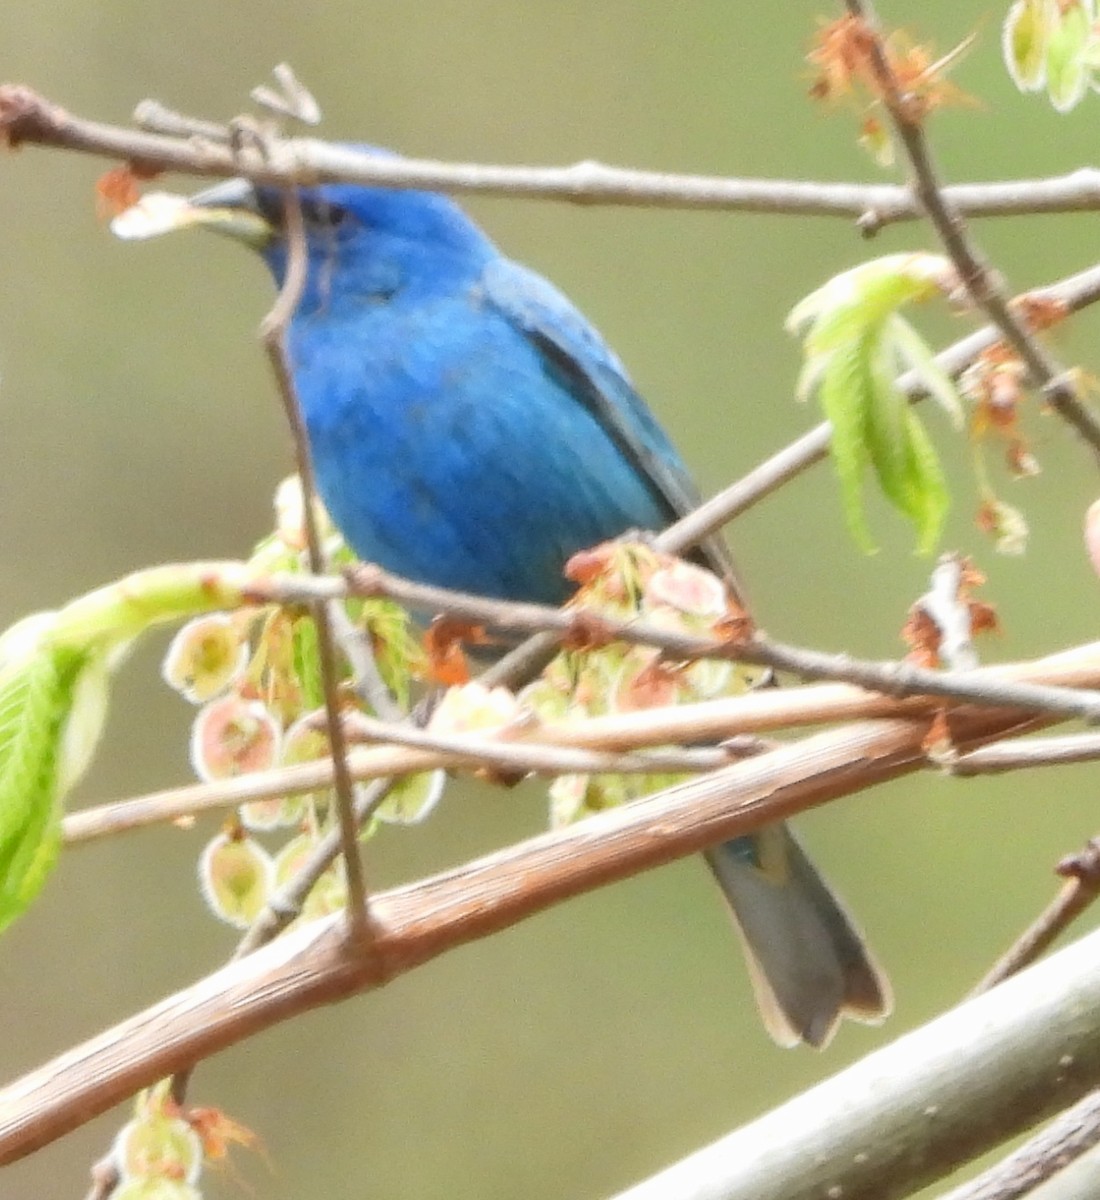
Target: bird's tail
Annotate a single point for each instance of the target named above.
(808, 962)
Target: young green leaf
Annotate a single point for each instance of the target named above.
(915, 355)
(37, 683)
(843, 397)
(866, 294)
(929, 487)
(55, 673)
(855, 344)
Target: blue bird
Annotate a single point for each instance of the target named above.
(470, 429)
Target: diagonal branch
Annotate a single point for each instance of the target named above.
(1051, 1151)
(413, 924)
(983, 285)
(540, 749)
(1081, 872)
(910, 1113)
(575, 623)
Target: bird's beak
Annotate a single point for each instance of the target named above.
(230, 208)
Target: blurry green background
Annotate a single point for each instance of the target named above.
(597, 1042)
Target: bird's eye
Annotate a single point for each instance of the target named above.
(323, 214)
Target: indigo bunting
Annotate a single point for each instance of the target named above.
(470, 429)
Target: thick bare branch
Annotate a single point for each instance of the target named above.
(414, 924)
(911, 1112)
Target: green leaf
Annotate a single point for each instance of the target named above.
(855, 343)
(887, 435)
(863, 296)
(307, 664)
(37, 685)
(929, 487)
(916, 355)
(396, 645)
(54, 684)
(843, 399)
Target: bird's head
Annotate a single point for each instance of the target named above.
(370, 241)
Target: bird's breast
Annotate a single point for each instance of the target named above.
(446, 451)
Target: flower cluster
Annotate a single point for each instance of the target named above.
(625, 580)
(255, 676)
(159, 1153)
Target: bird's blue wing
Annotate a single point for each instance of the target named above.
(573, 350)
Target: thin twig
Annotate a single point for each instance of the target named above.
(539, 749)
(155, 117)
(182, 803)
(285, 904)
(1034, 752)
(580, 626)
(981, 282)
(273, 333)
(1082, 886)
(366, 677)
(104, 1173)
(28, 118)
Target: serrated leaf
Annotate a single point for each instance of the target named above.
(929, 485)
(854, 344)
(1024, 42)
(886, 430)
(397, 649)
(843, 399)
(907, 467)
(54, 682)
(35, 698)
(918, 357)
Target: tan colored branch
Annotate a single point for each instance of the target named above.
(316, 965)
(546, 748)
